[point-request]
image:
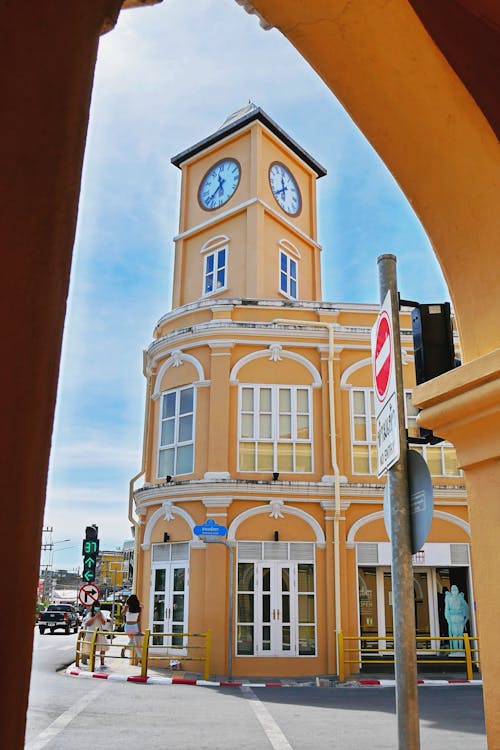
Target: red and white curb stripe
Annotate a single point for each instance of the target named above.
(168, 680)
(226, 683)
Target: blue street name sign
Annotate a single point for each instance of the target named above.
(210, 528)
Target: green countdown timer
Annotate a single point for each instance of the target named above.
(90, 550)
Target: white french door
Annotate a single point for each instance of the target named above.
(169, 603)
(276, 609)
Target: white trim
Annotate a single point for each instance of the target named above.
(405, 356)
(175, 361)
(290, 509)
(238, 209)
(357, 525)
(160, 513)
(284, 355)
(289, 247)
(352, 368)
(214, 243)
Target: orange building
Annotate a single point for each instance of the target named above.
(259, 416)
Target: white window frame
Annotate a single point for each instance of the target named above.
(371, 441)
(289, 278)
(176, 444)
(214, 253)
(275, 414)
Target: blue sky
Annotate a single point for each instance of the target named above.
(166, 77)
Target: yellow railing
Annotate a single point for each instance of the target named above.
(468, 656)
(196, 647)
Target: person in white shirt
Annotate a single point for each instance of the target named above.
(132, 619)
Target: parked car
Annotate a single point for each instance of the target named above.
(58, 616)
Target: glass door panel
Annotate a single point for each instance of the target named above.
(368, 614)
(266, 608)
(245, 599)
(283, 615)
(178, 609)
(306, 605)
(389, 629)
(422, 613)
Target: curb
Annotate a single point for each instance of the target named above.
(392, 683)
(137, 679)
(175, 680)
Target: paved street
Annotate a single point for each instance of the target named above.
(66, 712)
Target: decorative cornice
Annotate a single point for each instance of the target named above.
(260, 490)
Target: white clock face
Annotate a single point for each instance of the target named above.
(219, 184)
(285, 188)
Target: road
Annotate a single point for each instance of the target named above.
(66, 713)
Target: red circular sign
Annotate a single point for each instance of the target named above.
(88, 594)
(383, 356)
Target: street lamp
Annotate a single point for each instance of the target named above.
(49, 547)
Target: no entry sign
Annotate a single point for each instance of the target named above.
(383, 356)
(384, 384)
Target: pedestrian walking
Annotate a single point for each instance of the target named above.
(132, 620)
(95, 620)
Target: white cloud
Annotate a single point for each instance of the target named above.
(166, 77)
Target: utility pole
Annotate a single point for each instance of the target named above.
(402, 568)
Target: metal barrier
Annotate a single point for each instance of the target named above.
(469, 659)
(140, 654)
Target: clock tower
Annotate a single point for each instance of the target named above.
(247, 224)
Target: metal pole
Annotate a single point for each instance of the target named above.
(230, 604)
(114, 593)
(403, 602)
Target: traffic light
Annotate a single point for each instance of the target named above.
(432, 340)
(90, 549)
(433, 348)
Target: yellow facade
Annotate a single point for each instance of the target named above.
(245, 379)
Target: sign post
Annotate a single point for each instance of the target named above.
(212, 533)
(387, 353)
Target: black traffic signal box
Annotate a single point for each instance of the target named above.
(432, 340)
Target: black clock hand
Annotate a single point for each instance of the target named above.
(218, 188)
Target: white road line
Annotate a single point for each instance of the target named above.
(64, 719)
(273, 732)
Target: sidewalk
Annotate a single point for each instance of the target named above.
(120, 669)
